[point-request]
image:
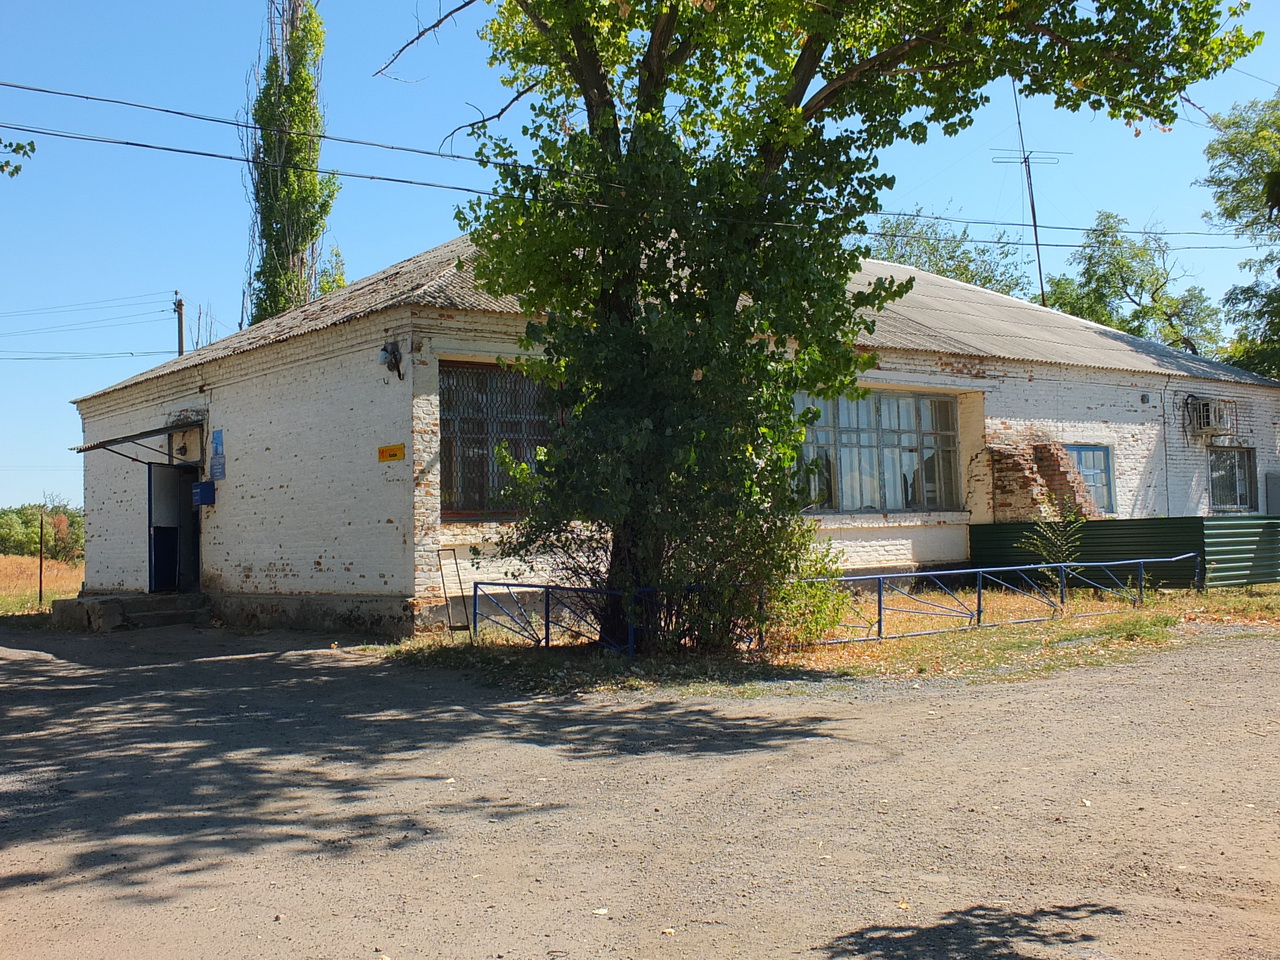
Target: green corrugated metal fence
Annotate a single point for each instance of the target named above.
(1235, 551)
(1241, 550)
(1101, 541)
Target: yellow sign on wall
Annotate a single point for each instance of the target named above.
(393, 452)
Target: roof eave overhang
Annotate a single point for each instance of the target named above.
(187, 423)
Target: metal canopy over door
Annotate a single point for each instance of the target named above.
(173, 528)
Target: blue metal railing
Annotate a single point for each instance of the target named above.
(534, 610)
(1046, 587)
(537, 610)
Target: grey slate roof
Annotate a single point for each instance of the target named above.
(938, 316)
(430, 279)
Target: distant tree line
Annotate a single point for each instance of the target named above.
(63, 530)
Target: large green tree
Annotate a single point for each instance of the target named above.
(932, 244)
(291, 199)
(1244, 175)
(1132, 284)
(696, 168)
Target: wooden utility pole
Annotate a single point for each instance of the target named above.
(40, 599)
(177, 308)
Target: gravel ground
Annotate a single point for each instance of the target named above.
(190, 793)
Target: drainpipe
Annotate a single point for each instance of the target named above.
(1164, 417)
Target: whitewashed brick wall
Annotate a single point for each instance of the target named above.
(306, 506)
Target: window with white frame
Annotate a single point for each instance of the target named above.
(481, 408)
(1233, 479)
(884, 452)
(1094, 464)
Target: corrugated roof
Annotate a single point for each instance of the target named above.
(430, 279)
(939, 315)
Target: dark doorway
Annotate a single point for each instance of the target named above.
(174, 529)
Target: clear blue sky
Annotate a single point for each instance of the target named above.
(116, 230)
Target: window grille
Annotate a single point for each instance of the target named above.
(1211, 418)
(482, 408)
(1233, 479)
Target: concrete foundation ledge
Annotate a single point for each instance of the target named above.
(327, 613)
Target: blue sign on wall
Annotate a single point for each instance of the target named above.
(217, 467)
(202, 494)
(217, 443)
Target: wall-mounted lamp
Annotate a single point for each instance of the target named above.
(1145, 398)
(389, 357)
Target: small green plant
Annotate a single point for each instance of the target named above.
(1056, 538)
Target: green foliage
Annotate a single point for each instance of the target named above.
(63, 530)
(696, 168)
(806, 610)
(15, 149)
(1127, 284)
(1254, 309)
(291, 199)
(1056, 539)
(333, 272)
(918, 241)
(1244, 175)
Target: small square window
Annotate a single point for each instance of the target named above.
(1094, 464)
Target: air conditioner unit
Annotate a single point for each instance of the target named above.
(1211, 418)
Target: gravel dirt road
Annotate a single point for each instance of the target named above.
(193, 794)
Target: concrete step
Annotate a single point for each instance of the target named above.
(143, 603)
(104, 614)
(165, 618)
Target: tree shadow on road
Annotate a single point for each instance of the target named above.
(977, 933)
(154, 755)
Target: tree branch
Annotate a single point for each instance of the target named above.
(492, 117)
(653, 66)
(593, 81)
(422, 33)
(806, 68)
(1068, 42)
(931, 68)
(881, 63)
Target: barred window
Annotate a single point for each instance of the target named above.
(1233, 479)
(884, 452)
(481, 408)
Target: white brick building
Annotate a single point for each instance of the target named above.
(337, 478)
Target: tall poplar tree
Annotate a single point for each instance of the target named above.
(291, 199)
(697, 167)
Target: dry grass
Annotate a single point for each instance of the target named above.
(998, 653)
(20, 581)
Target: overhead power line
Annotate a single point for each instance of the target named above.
(87, 305)
(87, 138)
(241, 125)
(88, 325)
(56, 355)
(1014, 225)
